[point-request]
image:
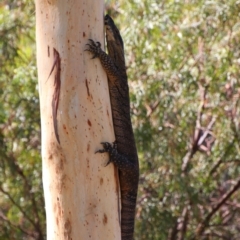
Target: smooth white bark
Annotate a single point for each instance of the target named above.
(81, 195)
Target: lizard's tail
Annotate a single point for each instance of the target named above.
(127, 217)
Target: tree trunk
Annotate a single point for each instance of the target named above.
(81, 195)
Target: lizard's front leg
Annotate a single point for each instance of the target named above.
(119, 160)
(109, 66)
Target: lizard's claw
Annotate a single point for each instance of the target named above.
(108, 147)
(94, 48)
(98, 44)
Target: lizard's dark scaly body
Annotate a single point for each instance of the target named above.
(123, 152)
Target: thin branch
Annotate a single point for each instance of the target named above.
(194, 145)
(220, 160)
(151, 108)
(184, 223)
(173, 232)
(201, 227)
(17, 205)
(36, 223)
(5, 219)
(206, 131)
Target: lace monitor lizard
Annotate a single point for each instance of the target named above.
(123, 152)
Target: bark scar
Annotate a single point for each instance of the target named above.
(56, 93)
(88, 92)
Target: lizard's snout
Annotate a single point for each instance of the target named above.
(108, 20)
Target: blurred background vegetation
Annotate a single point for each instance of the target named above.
(183, 60)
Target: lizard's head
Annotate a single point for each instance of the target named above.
(114, 43)
(112, 33)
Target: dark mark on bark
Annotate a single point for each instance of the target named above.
(89, 123)
(57, 86)
(88, 147)
(67, 229)
(105, 219)
(86, 82)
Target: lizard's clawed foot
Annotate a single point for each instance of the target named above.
(94, 48)
(110, 148)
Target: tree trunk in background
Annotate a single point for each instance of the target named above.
(81, 195)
